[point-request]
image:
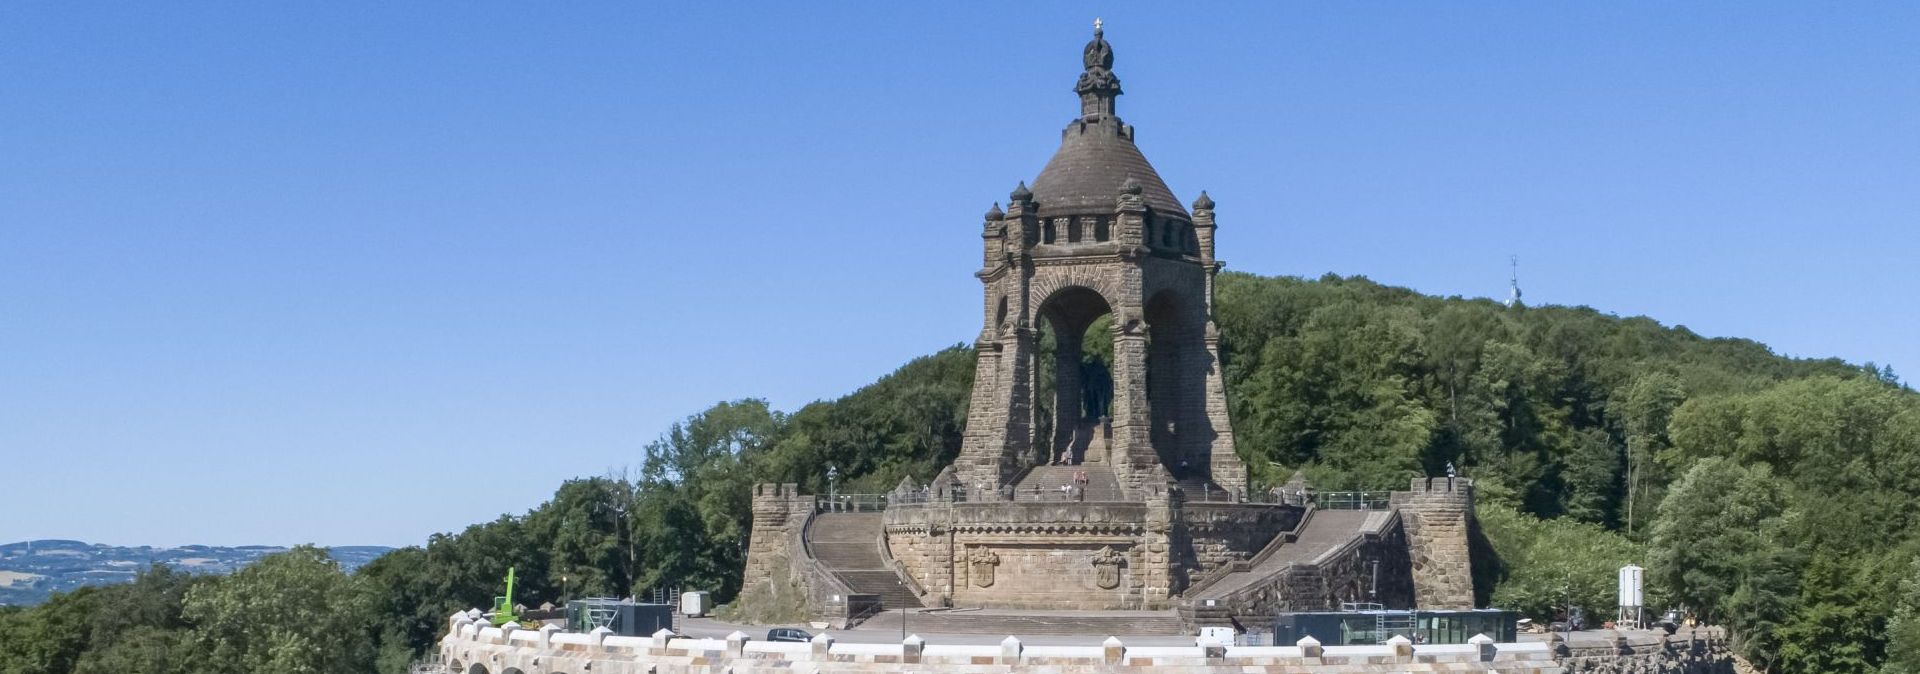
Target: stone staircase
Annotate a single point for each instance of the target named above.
(1200, 489)
(1323, 531)
(848, 544)
(1042, 483)
(1032, 624)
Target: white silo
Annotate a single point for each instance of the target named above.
(1632, 595)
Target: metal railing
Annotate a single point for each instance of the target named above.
(1354, 500)
(851, 503)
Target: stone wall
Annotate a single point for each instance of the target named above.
(1211, 536)
(1031, 555)
(1345, 573)
(1438, 516)
(1698, 651)
(1081, 556)
(780, 514)
(472, 647)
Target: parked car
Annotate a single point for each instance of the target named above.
(1564, 621)
(1670, 621)
(788, 634)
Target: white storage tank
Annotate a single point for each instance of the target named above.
(1632, 583)
(695, 604)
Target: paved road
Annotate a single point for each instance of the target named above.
(710, 628)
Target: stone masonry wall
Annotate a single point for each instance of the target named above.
(1211, 536)
(1438, 514)
(1030, 555)
(779, 513)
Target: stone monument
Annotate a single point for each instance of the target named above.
(1097, 470)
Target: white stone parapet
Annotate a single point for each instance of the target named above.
(471, 648)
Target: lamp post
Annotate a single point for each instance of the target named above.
(833, 494)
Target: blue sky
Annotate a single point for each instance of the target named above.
(354, 273)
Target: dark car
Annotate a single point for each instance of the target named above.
(788, 634)
(1575, 620)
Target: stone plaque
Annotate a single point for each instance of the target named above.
(1106, 567)
(981, 563)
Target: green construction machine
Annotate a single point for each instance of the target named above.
(503, 606)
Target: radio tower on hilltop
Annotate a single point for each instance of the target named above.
(1513, 292)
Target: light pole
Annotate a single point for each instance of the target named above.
(833, 495)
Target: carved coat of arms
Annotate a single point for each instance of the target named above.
(981, 562)
(1106, 567)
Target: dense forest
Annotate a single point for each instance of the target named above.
(1767, 494)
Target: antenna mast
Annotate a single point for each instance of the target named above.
(1513, 292)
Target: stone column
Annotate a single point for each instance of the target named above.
(1134, 461)
(1225, 465)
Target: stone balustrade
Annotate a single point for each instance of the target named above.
(472, 647)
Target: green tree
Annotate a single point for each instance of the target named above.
(290, 613)
(1720, 547)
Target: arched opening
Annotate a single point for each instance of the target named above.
(1175, 394)
(477, 668)
(1073, 376)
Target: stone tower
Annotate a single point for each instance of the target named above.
(1099, 234)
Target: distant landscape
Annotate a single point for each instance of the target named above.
(30, 571)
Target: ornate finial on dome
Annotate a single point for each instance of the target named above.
(994, 214)
(1204, 203)
(1021, 194)
(1131, 186)
(1097, 86)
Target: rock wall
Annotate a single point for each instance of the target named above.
(1438, 515)
(1701, 651)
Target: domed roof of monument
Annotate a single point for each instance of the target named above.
(1097, 154)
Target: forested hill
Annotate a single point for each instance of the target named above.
(1770, 494)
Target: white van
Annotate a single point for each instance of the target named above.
(1214, 636)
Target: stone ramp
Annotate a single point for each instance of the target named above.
(1008, 622)
(1324, 531)
(848, 544)
(1042, 483)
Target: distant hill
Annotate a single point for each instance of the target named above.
(32, 570)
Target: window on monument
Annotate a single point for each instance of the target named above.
(1100, 229)
(1046, 231)
(1073, 230)
(1187, 242)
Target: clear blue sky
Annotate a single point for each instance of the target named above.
(354, 273)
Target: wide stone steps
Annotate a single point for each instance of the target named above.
(1042, 483)
(846, 540)
(1108, 623)
(848, 544)
(1325, 530)
(883, 582)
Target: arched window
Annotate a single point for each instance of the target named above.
(1101, 230)
(1046, 231)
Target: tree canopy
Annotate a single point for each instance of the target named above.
(1772, 494)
